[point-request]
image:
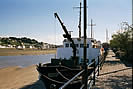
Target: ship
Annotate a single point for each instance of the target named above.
(69, 60)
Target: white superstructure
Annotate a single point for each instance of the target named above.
(66, 52)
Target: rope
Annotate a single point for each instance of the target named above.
(61, 74)
(59, 81)
(66, 67)
(69, 68)
(52, 79)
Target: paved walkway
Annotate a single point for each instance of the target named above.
(114, 74)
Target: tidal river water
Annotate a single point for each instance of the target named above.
(24, 60)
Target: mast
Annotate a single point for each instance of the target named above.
(92, 28)
(132, 15)
(107, 35)
(80, 21)
(85, 75)
(79, 26)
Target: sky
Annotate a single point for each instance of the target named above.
(35, 18)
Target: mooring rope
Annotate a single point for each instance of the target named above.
(61, 74)
(52, 79)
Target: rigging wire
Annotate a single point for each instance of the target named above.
(55, 31)
(55, 23)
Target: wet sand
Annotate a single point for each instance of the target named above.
(16, 77)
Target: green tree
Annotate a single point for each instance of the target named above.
(123, 41)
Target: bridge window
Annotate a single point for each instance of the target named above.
(66, 45)
(81, 45)
(77, 45)
(70, 45)
(87, 45)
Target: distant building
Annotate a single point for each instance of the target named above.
(45, 46)
(7, 46)
(52, 46)
(23, 46)
(31, 47)
(19, 47)
(2, 46)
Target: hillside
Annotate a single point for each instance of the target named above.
(22, 43)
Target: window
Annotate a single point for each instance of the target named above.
(70, 45)
(81, 45)
(87, 45)
(66, 45)
(76, 45)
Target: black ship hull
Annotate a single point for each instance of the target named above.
(56, 75)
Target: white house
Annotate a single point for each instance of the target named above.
(45, 46)
(2, 46)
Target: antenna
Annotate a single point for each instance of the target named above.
(91, 25)
(107, 35)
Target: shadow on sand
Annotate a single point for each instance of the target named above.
(127, 64)
(115, 62)
(37, 85)
(114, 71)
(115, 82)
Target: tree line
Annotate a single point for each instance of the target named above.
(121, 43)
(14, 41)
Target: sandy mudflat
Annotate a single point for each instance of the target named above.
(16, 77)
(114, 74)
(14, 52)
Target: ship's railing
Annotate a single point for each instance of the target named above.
(95, 66)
